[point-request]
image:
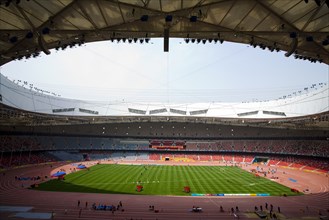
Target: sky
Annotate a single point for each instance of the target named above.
(188, 73)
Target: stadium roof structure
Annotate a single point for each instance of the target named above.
(299, 27)
(311, 101)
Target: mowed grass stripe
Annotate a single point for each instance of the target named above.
(185, 180)
(150, 179)
(175, 174)
(216, 181)
(192, 183)
(165, 180)
(204, 175)
(197, 176)
(169, 176)
(196, 179)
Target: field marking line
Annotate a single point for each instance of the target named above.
(211, 200)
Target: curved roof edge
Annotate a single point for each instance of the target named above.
(313, 102)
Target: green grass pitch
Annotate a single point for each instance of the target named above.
(165, 180)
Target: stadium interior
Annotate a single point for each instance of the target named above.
(291, 136)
